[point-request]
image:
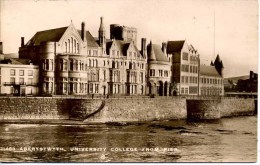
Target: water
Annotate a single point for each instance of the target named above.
(225, 140)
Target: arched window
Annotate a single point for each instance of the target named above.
(90, 62)
(75, 46)
(96, 63)
(78, 47)
(69, 45)
(66, 47)
(113, 64)
(93, 62)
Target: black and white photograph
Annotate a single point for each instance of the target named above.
(84, 81)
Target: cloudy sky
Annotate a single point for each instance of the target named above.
(236, 24)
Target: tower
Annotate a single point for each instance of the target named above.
(102, 35)
(219, 65)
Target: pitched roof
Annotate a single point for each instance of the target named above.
(53, 35)
(91, 40)
(174, 46)
(122, 46)
(16, 61)
(156, 53)
(208, 71)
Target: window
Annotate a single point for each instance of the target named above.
(21, 80)
(152, 72)
(182, 90)
(165, 73)
(30, 80)
(12, 80)
(12, 72)
(185, 56)
(160, 73)
(141, 77)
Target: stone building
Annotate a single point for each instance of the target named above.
(123, 33)
(18, 77)
(158, 70)
(184, 67)
(211, 79)
(73, 62)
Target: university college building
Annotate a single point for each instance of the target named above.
(73, 62)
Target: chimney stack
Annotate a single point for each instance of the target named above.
(22, 41)
(1, 47)
(143, 46)
(83, 33)
(164, 47)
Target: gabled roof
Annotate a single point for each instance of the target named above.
(91, 42)
(209, 71)
(174, 46)
(16, 61)
(156, 53)
(53, 35)
(122, 46)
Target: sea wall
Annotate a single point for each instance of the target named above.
(122, 109)
(46, 108)
(217, 108)
(141, 109)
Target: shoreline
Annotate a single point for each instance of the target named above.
(117, 123)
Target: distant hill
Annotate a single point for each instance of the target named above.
(235, 79)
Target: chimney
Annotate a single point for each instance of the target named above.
(1, 47)
(164, 45)
(83, 33)
(22, 41)
(143, 46)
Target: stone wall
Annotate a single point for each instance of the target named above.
(33, 108)
(237, 107)
(122, 109)
(224, 107)
(141, 109)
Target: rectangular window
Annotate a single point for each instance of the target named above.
(29, 81)
(12, 72)
(152, 72)
(186, 91)
(21, 72)
(30, 73)
(165, 73)
(185, 56)
(141, 77)
(12, 80)
(21, 80)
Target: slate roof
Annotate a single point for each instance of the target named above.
(122, 45)
(157, 54)
(53, 35)
(90, 39)
(174, 46)
(209, 71)
(16, 61)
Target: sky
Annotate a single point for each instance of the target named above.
(225, 27)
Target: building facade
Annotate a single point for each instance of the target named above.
(18, 77)
(73, 62)
(185, 66)
(158, 71)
